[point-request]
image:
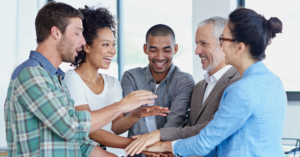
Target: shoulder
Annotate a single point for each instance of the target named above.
(28, 63)
(71, 76)
(136, 71)
(182, 77)
(134, 74)
(110, 79)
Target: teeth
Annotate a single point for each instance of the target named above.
(159, 64)
(109, 58)
(203, 58)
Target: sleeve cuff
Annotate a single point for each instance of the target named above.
(84, 124)
(173, 144)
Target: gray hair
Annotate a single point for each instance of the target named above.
(218, 23)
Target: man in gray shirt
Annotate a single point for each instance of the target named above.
(172, 86)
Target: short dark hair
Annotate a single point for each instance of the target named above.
(94, 19)
(254, 30)
(54, 14)
(160, 30)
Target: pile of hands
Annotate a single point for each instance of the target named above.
(150, 145)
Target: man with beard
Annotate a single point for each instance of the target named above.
(162, 77)
(206, 94)
(39, 113)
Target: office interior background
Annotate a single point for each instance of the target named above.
(135, 17)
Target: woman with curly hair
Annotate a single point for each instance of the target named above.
(92, 90)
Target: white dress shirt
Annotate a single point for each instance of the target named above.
(151, 121)
(211, 82)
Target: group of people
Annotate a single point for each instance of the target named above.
(237, 110)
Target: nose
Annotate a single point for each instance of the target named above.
(112, 50)
(198, 50)
(160, 55)
(82, 41)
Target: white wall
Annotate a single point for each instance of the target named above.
(17, 39)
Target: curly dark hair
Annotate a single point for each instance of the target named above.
(94, 19)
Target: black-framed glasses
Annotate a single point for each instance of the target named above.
(226, 39)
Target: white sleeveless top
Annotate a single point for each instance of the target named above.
(81, 93)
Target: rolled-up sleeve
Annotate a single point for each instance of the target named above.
(37, 92)
(235, 108)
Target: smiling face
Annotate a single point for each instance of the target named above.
(160, 51)
(210, 53)
(101, 52)
(71, 41)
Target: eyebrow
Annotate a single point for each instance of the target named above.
(80, 28)
(153, 47)
(107, 40)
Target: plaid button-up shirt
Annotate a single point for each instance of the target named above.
(39, 113)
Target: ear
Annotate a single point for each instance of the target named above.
(56, 33)
(241, 47)
(86, 48)
(145, 49)
(176, 49)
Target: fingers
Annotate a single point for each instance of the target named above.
(130, 149)
(135, 137)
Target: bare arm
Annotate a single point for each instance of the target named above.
(132, 101)
(104, 137)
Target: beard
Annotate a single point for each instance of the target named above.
(66, 50)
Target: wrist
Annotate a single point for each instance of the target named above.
(167, 146)
(119, 107)
(157, 134)
(134, 114)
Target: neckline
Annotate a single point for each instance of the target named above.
(104, 80)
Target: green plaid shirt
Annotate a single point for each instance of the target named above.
(40, 116)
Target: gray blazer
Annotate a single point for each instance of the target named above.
(200, 115)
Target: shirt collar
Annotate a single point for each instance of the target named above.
(216, 76)
(254, 68)
(168, 78)
(46, 64)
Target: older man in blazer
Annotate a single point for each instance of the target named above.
(207, 93)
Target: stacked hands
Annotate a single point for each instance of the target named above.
(150, 145)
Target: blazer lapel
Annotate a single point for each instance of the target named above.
(220, 84)
(197, 102)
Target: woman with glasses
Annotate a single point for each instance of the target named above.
(250, 119)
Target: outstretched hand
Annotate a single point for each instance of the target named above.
(136, 99)
(141, 142)
(160, 147)
(149, 111)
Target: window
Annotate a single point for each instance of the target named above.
(283, 54)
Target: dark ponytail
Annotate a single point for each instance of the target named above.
(254, 30)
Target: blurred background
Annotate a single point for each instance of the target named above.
(135, 17)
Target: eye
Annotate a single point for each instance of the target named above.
(105, 44)
(167, 50)
(114, 45)
(152, 50)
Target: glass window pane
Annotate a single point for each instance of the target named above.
(283, 54)
(139, 16)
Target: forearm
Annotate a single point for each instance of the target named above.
(125, 123)
(171, 133)
(109, 139)
(103, 116)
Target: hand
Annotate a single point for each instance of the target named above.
(160, 147)
(142, 141)
(136, 99)
(157, 154)
(149, 111)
